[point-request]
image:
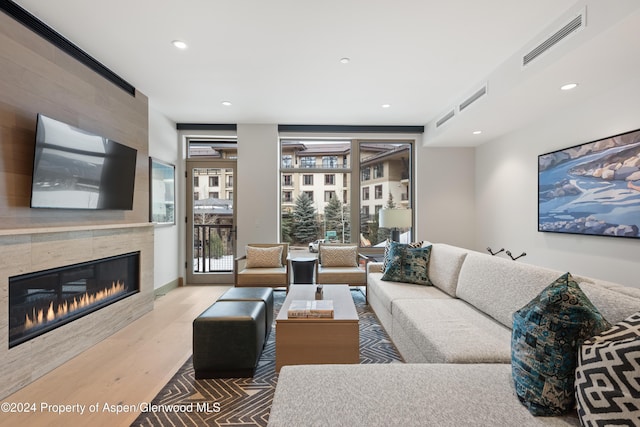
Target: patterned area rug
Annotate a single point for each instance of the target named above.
(185, 401)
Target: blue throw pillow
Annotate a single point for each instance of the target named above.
(407, 264)
(387, 245)
(547, 333)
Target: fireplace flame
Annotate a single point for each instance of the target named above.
(40, 317)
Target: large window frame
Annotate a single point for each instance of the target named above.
(359, 175)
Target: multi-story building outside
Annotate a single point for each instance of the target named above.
(320, 169)
(324, 170)
(384, 177)
(320, 186)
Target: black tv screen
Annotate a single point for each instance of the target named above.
(76, 169)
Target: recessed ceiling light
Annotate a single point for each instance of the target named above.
(345, 60)
(179, 44)
(226, 103)
(386, 105)
(477, 132)
(569, 86)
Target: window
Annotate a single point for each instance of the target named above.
(329, 161)
(377, 208)
(214, 181)
(328, 195)
(287, 161)
(387, 161)
(196, 195)
(378, 192)
(214, 194)
(366, 174)
(329, 179)
(307, 162)
(196, 181)
(214, 148)
(365, 193)
(378, 171)
(229, 195)
(230, 181)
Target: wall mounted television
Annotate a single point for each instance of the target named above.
(76, 169)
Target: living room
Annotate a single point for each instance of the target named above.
(489, 199)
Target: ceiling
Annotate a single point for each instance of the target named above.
(278, 61)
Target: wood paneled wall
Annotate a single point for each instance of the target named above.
(36, 77)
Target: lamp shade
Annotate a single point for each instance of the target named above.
(395, 218)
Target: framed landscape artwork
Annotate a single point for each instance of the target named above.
(592, 188)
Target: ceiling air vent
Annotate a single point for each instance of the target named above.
(571, 27)
(445, 118)
(473, 98)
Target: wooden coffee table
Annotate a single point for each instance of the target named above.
(317, 340)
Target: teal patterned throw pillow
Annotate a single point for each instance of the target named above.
(407, 264)
(546, 336)
(387, 245)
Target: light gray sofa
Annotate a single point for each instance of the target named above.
(456, 339)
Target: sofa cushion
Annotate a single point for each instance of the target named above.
(499, 287)
(607, 384)
(444, 266)
(452, 331)
(406, 264)
(547, 333)
(347, 275)
(615, 302)
(338, 256)
(264, 257)
(387, 292)
(399, 394)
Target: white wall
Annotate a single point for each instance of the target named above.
(168, 246)
(507, 189)
(445, 196)
(257, 190)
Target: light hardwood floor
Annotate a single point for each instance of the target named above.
(128, 368)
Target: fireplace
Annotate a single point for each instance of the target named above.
(45, 300)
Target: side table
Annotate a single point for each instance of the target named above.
(303, 269)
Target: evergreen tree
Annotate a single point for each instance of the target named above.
(336, 217)
(390, 203)
(347, 223)
(333, 216)
(305, 226)
(216, 247)
(286, 227)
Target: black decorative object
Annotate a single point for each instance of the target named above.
(495, 253)
(515, 258)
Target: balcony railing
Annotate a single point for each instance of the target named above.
(209, 256)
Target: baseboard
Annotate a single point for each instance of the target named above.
(164, 289)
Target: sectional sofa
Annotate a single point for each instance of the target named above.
(455, 338)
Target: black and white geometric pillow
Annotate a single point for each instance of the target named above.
(608, 376)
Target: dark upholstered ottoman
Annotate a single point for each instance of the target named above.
(228, 338)
(253, 294)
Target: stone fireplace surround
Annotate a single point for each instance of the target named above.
(29, 250)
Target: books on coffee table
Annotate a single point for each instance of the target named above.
(311, 309)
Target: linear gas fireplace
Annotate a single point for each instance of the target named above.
(45, 300)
